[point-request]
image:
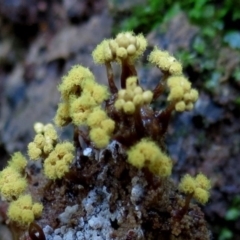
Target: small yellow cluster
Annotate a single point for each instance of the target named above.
(23, 211)
(147, 154)
(57, 164)
(131, 97)
(125, 47)
(12, 185)
(166, 62)
(72, 82)
(199, 187)
(101, 127)
(181, 93)
(80, 93)
(44, 141)
(57, 156)
(18, 162)
(12, 182)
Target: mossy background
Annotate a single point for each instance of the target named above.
(39, 41)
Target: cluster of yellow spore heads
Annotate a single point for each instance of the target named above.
(12, 179)
(81, 102)
(24, 211)
(43, 142)
(125, 47)
(132, 97)
(146, 153)
(101, 127)
(80, 94)
(180, 92)
(13, 186)
(198, 187)
(57, 156)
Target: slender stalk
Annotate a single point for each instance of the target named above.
(180, 214)
(111, 83)
(127, 71)
(158, 90)
(164, 117)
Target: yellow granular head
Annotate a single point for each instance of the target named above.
(96, 117)
(189, 106)
(136, 158)
(162, 165)
(33, 151)
(176, 93)
(50, 132)
(129, 107)
(62, 117)
(180, 106)
(147, 149)
(187, 184)
(201, 195)
(39, 140)
(99, 93)
(12, 184)
(38, 127)
(147, 96)
(108, 125)
(119, 104)
(71, 83)
(23, 211)
(138, 99)
(175, 68)
(121, 53)
(99, 137)
(131, 83)
(203, 182)
(37, 209)
(102, 53)
(18, 161)
(57, 164)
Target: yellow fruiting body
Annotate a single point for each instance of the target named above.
(96, 117)
(98, 92)
(50, 132)
(181, 93)
(198, 187)
(12, 183)
(71, 83)
(129, 107)
(23, 211)
(18, 162)
(43, 142)
(180, 106)
(39, 140)
(37, 209)
(57, 164)
(203, 182)
(132, 97)
(80, 108)
(165, 61)
(99, 137)
(147, 153)
(201, 195)
(125, 47)
(108, 126)
(33, 151)
(38, 127)
(62, 117)
(187, 184)
(131, 83)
